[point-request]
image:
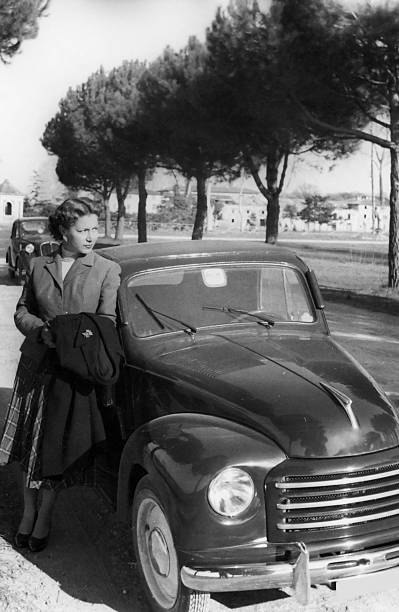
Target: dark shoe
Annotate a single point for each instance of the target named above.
(37, 544)
(21, 540)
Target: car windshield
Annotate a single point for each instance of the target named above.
(34, 226)
(216, 295)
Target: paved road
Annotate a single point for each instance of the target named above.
(90, 564)
(372, 337)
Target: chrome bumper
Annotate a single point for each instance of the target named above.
(298, 575)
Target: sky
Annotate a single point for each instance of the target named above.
(76, 38)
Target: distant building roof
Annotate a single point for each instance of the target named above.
(9, 189)
(231, 189)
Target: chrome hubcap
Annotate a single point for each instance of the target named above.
(158, 558)
(159, 552)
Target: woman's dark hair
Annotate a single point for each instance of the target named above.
(67, 213)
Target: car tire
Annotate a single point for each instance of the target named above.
(11, 271)
(156, 556)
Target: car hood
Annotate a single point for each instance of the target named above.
(304, 392)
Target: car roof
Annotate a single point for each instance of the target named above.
(141, 256)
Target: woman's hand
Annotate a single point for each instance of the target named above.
(46, 336)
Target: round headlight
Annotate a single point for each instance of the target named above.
(29, 248)
(231, 492)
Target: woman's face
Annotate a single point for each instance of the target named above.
(81, 237)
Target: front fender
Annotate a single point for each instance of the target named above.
(25, 258)
(182, 453)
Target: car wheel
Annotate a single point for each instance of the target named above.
(157, 558)
(11, 271)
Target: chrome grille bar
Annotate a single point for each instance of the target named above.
(344, 522)
(314, 502)
(338, 481)
(344, 501)
(48, 247)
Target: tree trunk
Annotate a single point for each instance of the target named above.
(393, 249)
(200, 215)
(142, 216)
(210, 219)
(272, 191)
(107, 216)
(273, 213)
(273, 199)
(120, 224)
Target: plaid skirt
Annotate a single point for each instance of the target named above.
(22, 436)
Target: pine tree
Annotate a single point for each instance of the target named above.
(18, 21)
(176, 102)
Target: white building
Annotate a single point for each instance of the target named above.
(11, 203)
(248, 214)
(132, 202)
(355, 215)
(358, 217)
(232, 208)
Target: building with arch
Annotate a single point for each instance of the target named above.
(11, 203)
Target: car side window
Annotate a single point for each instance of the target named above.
(283, 294)
(298, 304)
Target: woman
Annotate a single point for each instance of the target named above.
(73, 280)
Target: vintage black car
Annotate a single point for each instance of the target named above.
(257, 453)
(29, 237)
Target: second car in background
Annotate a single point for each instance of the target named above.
(30, 237)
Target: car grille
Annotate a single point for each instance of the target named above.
(47, 248)
(311, 503)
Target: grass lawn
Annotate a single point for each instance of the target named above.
(363, 270)
(359, 277)
(353, 262)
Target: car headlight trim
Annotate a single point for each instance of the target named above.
(231, 492)
(29, 248)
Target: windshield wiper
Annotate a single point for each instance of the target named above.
(260, 318)
(188, 329)
(150, 311)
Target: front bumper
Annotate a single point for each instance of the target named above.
(298, 575)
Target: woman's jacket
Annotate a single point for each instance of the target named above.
(72, 422)
(90, 285)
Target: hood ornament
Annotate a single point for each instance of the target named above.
(344, 401)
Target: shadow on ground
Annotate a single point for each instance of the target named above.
(373, 303)
(244, 599)
(89, 554)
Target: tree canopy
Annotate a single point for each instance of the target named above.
(266, 85)
(19, 20)
(256, 117)
(85, 135)
(316, 209)
(176, 95)
(70, 135)
(343, 74)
